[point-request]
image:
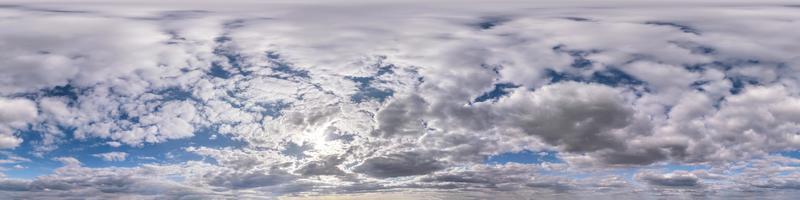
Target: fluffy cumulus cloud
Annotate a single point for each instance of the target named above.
(17, 113)
(389, 99)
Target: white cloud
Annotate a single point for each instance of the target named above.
(17, 110)
(8, 141)
(68, 161)
(14, 114)
(112, 156)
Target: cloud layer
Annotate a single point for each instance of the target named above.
(252, 100)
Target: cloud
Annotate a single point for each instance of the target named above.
(68, 161)
(112, 156)
(15, 114)
(252, 99)
(17, 110)
(672, 179)
(577, 117)
(402, 117)
(78, 182)
(11, 158)
(400, 164)
(251, 179)
(783, 182)
(327, 166)
(7, 141)
(489, 176)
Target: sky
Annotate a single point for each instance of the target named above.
(389, 99)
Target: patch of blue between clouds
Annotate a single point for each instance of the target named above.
(791, 154)
(500, 90)
(524, 157)
(265, 108)
(286, 69)
(365, 89)
(232, 59)
(490, 22)
(698, 85)
(170, 151)
(174, 94)
(682, 27)
(577, 19)
(615, 77)
(611, 76)
(218, 71)
(578, 56)
(739, 83)
(66, 91)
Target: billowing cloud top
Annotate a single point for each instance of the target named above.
(453, 100)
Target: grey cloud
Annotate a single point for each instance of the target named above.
(551, 184)
(326, 166)
(78, 183)
(249, 179)
(400, 164)
(642, 156)
(673, 179)
(578, 117)
(779, 183)
(460, 147)
(575, 116)
(487, 176)
(403, 116)
(14, 185)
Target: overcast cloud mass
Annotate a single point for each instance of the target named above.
(245, 99)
